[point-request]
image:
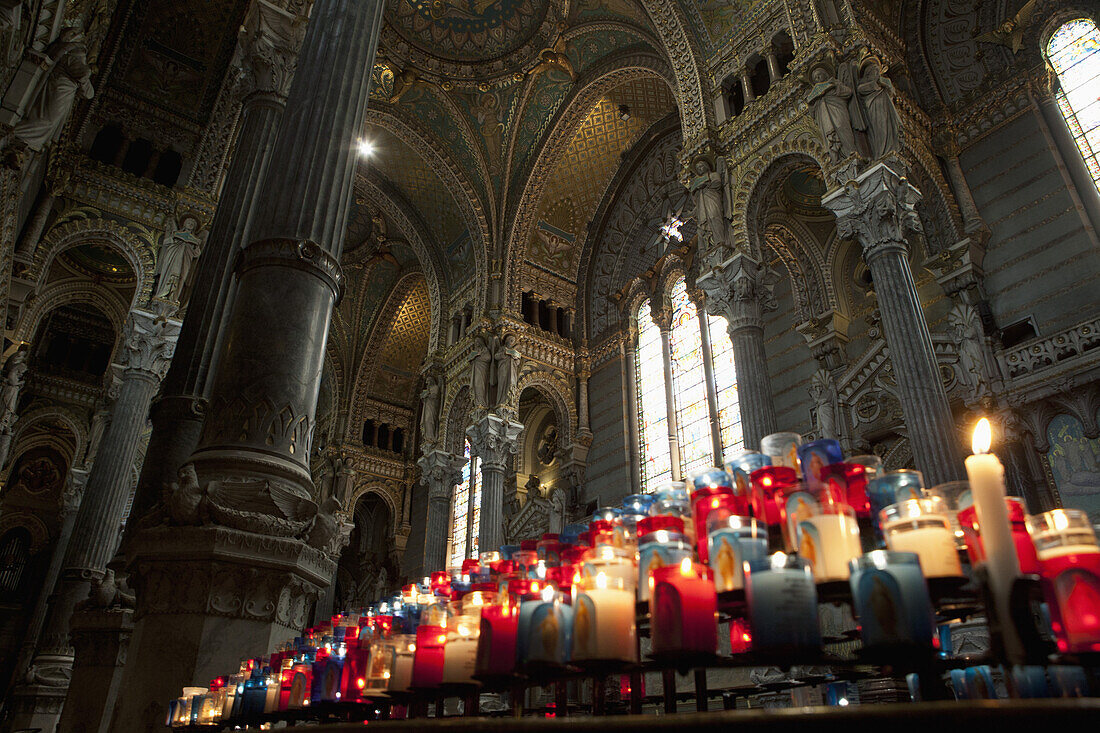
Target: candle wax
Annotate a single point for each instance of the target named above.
(782, 610)
(935, 544)
(829, 542)
(603, 625)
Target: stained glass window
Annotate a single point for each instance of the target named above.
(1074, 52)
(689, 384)
(652, 413)
(466, 512)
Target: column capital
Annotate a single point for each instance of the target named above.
(877, 209)
(267, 53)
(494, 439)
(741, 290)
(150, 343)
(440, 471)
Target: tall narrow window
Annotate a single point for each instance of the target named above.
(466, 513)
(652, 414)
(1074, 52)
(689, 387)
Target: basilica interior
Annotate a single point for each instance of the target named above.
(306, 299)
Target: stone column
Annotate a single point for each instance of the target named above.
(773, 64)
(746, 86)
(878, 209)
(493, 439)
(662, 316)
(629, 346)
(699, 299)
(147, 351)
(265, 58)
(440, 471)
(100, 638)
(740, 290)
(948, 150)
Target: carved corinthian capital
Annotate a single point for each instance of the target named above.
(877, 209)
(494, 439)
(440, 472)
(740, 290)
(268, 50)
(150, 343)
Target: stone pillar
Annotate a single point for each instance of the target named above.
(877, 209)
(32, 234)
(266, 58)
(708, 373)
(948, 150)
(746, 86)
(629, 346)
(773, 64)
(584, 372)
(245, 574)
(493, 439)
(147, 350)
(100, 639)
(663, 318)
(740, 290)
(441, 472)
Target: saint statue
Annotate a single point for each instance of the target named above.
(429, 412)
(823, 393)
(707, 188)
(480, 365)
(967, 333)
(830, 101)
(14, 372)
(67, 74)
(877, 93)
(178, 251)
(506, 359)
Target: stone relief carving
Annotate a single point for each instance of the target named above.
(883, 123)
(823, 392)
(429, 409)
(179, 249)
(14, 377)
(268, 50)
(709, 190)
(67, 75)
(966, 329)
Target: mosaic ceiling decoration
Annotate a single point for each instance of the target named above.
(99, 261)
(573, 191)
(405, 347)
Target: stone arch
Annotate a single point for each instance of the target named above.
(695, 114)
(558, 394)
(39, 532)
(137, 251)
(39, 305)
(458, 417)
(383, 491)
(672, 270)
(45, 414)
(450, 174)
(595, 83)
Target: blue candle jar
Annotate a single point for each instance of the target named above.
(891, 488)
(732, 541)
(607, 514)
(708, 478)
(816, 455)
(549, 629)
(638, 503)
(740, 470)
(506, 551)
(782, 600)
(891, 600)
(572, 532)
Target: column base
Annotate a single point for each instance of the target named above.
(37, 706)
(207, 597)
(100, 642)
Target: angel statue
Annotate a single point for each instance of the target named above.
(67, 74)
(707, 188)
(178, 251)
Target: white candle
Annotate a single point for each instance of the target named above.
(987, 487)
(460, 653)
(829, 542)
(935, 545)
(603, 622)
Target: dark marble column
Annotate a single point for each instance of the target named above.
(494, 439)
(265, 60)
(740, 291)
(878, 209)
(440, 472)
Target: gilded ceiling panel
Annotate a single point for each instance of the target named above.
(405, 347)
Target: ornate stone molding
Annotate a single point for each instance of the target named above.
(150, 343)
(741, 290)
(878, 209)
(1056, 351)
(494, 439)
(302, 255)
(268, 50)
(441, 472)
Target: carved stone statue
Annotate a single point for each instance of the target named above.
(877, 93)
(507, 369)
(480, 367)
(824, 394)
(557, 511)
(707, 189)
(67, 74)
(107, 594)
(178, 251)
(14, 377)
(967, 332)
(429, 409)
(830, 102)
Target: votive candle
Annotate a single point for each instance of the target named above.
(684, 616)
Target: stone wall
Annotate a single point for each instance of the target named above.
(608, 474)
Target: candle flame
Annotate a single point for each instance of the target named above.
(983, 437)
(685, 566)
(779, 561)
(548, 593)
(601, 581)
(1061, 520)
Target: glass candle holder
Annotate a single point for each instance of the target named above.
(404, 650)
(782, 600)
(740, 469)
(782, 448)
(661, 542)
(607, 514)
(431, 640)
(506, 551)
(1069, 570)
(891, 488)
(955, 494)
(828, 539)
(921, 526)
(848, 483)
(638, 503)
(891, 599)
(496, 649)
(1017, 516)
(684, 615)
(740, 636)
(571, 533)
(381, 668)
(613, 562)
(460, 652)
(603, 621)
(814, 456)
(674, 500)
(722, 503)
(872, 464)
(732, 541)
(549, 630)
(549, 548)
(768, 487)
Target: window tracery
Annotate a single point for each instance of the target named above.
(1074, 53)
(466, 511)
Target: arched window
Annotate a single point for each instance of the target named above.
(15, 548)
(1074, 52)
(690, 338)
(466, 512)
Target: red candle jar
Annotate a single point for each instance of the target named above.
(740, 636)
(353, 679)
(769, 487)
(573, 555)
(549, 548)
(496, 646)
(1069, 569)
(1017, 515)
(685, 610)
(847, 483)
(703, 501)
(471, 566)
(441, 583)
(428, 659)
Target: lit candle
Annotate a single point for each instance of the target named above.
(684, 615)
(549, 630)
(891, 600)
(711, 490)
(921, 526)
(460, 652)
(732, 541)
(603, 621)
(782, 602)
(661, 542)
(1069, 568)
(987, 487)
(815, 456)
(769, 488)
(828, 539)
(496, 650)
(404, 652)
(782, 448)
(431, 639)
(740, 469)
(613, 562)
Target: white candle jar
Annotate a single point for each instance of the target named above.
(922, 526)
